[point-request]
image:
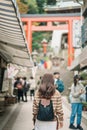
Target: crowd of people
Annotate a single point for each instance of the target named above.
(22, 86)
(47, 103)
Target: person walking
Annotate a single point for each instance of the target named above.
(19, 86)
(39, 81)
(77, 89)
(32, 87)
(58, 82)
(47, 106)
(25, 88)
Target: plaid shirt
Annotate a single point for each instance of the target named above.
(57, 105)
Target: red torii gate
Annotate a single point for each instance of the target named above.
(29, 28)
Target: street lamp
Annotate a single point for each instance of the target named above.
(44, 44)
(34, 54)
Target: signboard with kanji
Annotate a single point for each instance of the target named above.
(77, 33)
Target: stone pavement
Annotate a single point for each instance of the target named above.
(19, 117)
(68, 105)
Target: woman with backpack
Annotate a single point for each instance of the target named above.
(47, 106)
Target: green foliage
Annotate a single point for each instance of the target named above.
(38, 37)
(84, 104)
(46, 58)
(51, 2)
(32, 9)
(34, 6)
(24, 1)
(84, 82)
(84, 76)
(23, 8)
(40, 4)
(36, 46)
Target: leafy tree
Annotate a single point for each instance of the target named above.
(51, 2)
(38, 37)
(36, 46)
(27, 6)
(23, 8)
(24, 1)
(40, 4)
(33, 8)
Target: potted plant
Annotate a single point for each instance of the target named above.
(84, 106)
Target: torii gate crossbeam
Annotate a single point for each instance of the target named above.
(29, 19)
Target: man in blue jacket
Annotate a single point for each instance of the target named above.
(58, 82)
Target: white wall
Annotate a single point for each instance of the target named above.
(56, 39)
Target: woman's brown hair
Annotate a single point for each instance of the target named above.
(47, 88)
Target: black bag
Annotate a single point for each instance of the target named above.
(15, 91)
(26, 86)
(45, 113)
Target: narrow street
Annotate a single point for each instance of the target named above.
(19, 117)
(40, 37)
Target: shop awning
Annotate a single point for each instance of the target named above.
(13, 44)
(80, 62)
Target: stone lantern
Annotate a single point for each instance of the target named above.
(44, 44)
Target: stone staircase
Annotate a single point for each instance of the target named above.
(66, 76)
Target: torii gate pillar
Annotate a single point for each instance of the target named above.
(49, 27)
(29, 35)
(70, 44)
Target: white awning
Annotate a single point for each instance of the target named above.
(13, 44)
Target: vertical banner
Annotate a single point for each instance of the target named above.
(76, 33)
(12, 71)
